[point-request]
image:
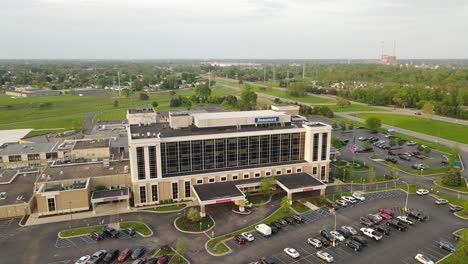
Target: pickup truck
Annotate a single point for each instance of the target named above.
(420, 216)
(397, 225)
(371, 233)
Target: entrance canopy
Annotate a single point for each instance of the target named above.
(299, 182)
(110, 195)
(221, 192)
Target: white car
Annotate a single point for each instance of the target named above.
(324, 256)
(350, 229)
(422, 192)
(371, 233)
(337, 235)
(291, 252)
(359, 196)
(405, 219)
(441, 201)
(349, 199)
(423, 259)
(83, 260)
(411, 143)
(314, 242)
(248, 236)
(342, 202)
(362, 138)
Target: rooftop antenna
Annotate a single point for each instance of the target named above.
(303, 70)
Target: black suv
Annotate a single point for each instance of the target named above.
(397, 225)
(420, 216)
(110, 256)
(298, 218)
(290, 220)
(391, 159)
(111, 232)
(276, 224)
(97, 236)
(361, 240)
(324, 241)
(366, 222)
(268, 260)
(383, 229)
(326, 235)
(344, 232)
(352, 244)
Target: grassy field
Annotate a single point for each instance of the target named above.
(354, 107)
(462, 188)
(80, 231)
(299, 207)
(456, 132)
(51, 124)
(140, 227)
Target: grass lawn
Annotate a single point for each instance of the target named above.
(72, 123)
(258, 199)
(359, 179)
(114, 115)
(354, 107)
(185, 224)
(459, 256)
(80, 231)
(456, 132)
(299, 207)
(43, 132)
(161, 252)
(317, 201)
(175, 260)
(417, 172)
(455, 200)
(461, 188)
(168, 208)
(140, 227)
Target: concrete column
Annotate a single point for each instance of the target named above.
(322, 191)
(290, 198)
(202, 210)
(242, 206)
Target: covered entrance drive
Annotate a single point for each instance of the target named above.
(217, 193)
(299, 183)
(110, 199)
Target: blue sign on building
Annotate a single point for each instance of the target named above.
(266, 119)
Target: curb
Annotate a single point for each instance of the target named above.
(194, 232)
(218, 255)
(450, 189)
(162, 212)
(267, 202)
(152, 233)
(246, 212)
(459, 216)
(409, 173)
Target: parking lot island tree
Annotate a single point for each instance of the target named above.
(452, 177)
(343, 126)
(428, 109)
(180, 249)
(373, 123)
(285, 204)
(193, 214)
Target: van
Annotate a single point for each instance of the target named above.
(263, 229)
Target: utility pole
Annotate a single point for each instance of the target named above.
(264, 74)
(209, 78)
(118, 77)
(287, 74)
(303, 71)
(274, 74)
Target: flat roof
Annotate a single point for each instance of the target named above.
(89, 144)
(83, 170)
(141, 110)
(33, 148)
(109, 193)
(219, 190)
(298, 180)
(221, 115)
(12, 135)
(20, 190)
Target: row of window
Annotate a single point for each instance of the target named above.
(175, 192)
(15, 158)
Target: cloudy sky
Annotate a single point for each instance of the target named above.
(288, 29)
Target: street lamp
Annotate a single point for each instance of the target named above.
(421, 171)
(352, 186)
(332, 210)
(407, 195)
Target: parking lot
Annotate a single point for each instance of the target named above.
(398, 247)
(432, 160)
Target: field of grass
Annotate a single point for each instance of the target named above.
(63, 124)
(140, 227)
(462, 188)
(299, 207)
(258, 199)
(354, 107)
(455, 132)
(114, 115)
(80, 231)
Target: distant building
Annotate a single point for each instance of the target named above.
(29, 91)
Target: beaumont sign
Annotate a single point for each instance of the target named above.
(266, 119)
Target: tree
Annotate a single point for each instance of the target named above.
(285, 204)
(297, 89)
(342, 102)
(367, 146)
(170, 82)
(116, 103)
(401, 142)
(203, 92)
(428, 109)
(452, 177)
(393, 142)
(343, 126)
(350, 126)
(326, 111)
(248, 99)
(266, 184)
(336, 143)
(454, 153)
(155, 104)
(373, 123)
(144, 96)
(334, 125)
(193, 215)
(125, 92)
(371, 173)
(180, 249)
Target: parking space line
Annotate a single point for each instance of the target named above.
(435, 252)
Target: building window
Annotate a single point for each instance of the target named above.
(140, 155)
(223, 178)
(322, 173)
(51, 155)
(298, 170)
(246, 176)
(152, 161)
(142, 194)
(200, 181)
(314, 171)
(154, 193)
(211, 180)
(278, 172)
(187, 189)
(315, 147)
(34, 157)
(324, 146)
(51, 204)
(184, 156)
(175, 191)
(267, 173)
(14, 158)
(257, 174)
(289, 171)
(235, 177)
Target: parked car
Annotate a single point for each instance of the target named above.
(290, 220)
(111, 255)
(405, 219)
(97, 256)
(349, 199)
(444, 162)
(336, 235)
(441, 201)
(361, 240)
(342, 203)
(446, 245)
(366, 222)
(326, 235)
(387, 212)
(163, 260)
(324, 241)
(248, 236)
(417, 113)
(418, 166)
(298, 218)
(291, 252)
(283, 222)
(240, 240)
(423, 259)
(323, 255)
(267, 260)
(263, 229)
(362, 138)
(130, 231)
(456, 208)
(97, 235)
(411, 143)
(83, 260)
(124, 255)
(139, 261)
(344, 232)
(404, 157)
(385, 216)
(151, 261)
(333, 205)
(138, 251)
(111, 232)
(276, 224)
(373, 139)
(344, 142)
(360, 196)
(314, 242)
(371, 233)
(422, 192)
(391, 159)
(353, 244)
(375, 218)
(274, 230)
(391, 153)
(418, 215)
(397, 225)
(350, 229)
(383, 229)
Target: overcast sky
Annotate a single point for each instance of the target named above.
(270, 29)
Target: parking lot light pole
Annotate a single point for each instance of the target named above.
(407, 195)
(334, 227)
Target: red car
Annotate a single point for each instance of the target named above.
(375, 218)
(124, 255)
(385, 216)
(387, 212)
(333, 205)
(163, 260)
(239, 240)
